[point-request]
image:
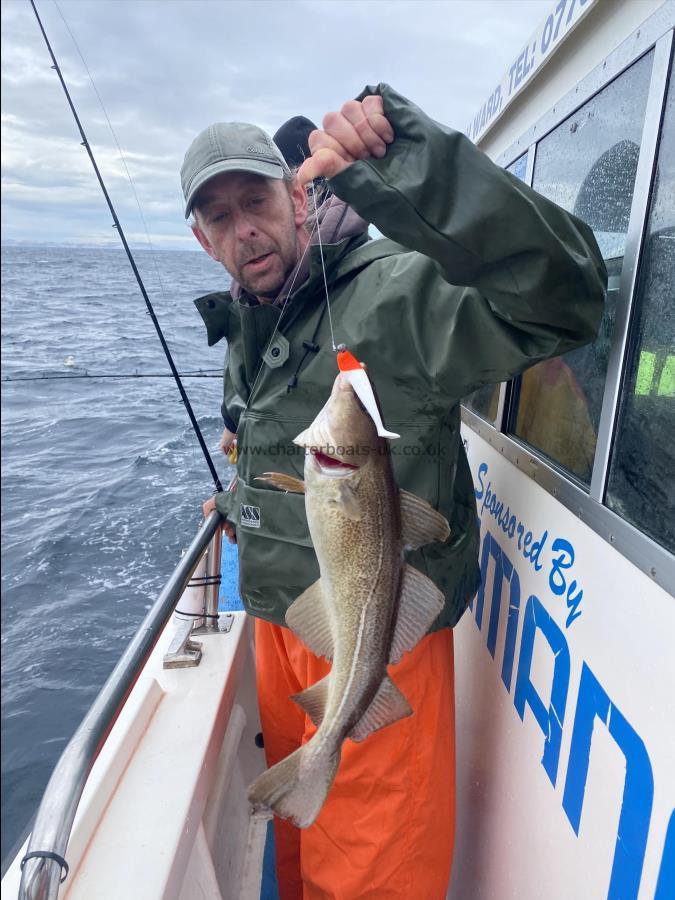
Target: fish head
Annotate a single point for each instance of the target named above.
(343, 437)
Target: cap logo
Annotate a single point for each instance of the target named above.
(225, 147)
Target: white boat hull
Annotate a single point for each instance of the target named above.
(164, 812)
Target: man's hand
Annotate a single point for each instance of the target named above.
(226, 441)
(359, 131)
(207, 507)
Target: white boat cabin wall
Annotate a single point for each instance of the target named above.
(564, 663)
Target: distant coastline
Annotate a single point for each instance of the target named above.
(108, 245)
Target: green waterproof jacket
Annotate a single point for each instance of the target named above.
(478, 278)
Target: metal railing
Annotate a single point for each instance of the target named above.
(213, 561)
(42, 873)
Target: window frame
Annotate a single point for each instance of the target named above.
(656, 34)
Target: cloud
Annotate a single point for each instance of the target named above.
(166, 68)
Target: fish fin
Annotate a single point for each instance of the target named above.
(284, 482)
(349, 502)
(296, 787)
(313, 700)
(420, 522)
(307, 617)
(317, 433)
(420, 602)
(387, 706)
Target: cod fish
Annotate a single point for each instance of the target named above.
(368, 607)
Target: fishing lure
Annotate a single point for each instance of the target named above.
(354, 372)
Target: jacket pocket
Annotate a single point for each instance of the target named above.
(268, 513)
(276, 556)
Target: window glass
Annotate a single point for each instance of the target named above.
(485, 401)
(642, 478)
(586, 165)
(519, 167)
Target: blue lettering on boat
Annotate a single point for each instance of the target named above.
(592, 705)
(534, 548)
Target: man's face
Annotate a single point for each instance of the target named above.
(251, 225)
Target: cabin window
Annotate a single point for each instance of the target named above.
(586, 165)
(641, 486)
(519, 167)
(485, 401)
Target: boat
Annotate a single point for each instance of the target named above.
(165, 755)
(564, 663)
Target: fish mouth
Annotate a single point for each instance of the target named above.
(331, 465)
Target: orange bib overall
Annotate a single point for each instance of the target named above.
(387, 827)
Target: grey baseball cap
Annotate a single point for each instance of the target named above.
(229, 147)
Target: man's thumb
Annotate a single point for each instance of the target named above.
(323, 163)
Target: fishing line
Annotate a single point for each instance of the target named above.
(315, 228)
(132, 263)
(44, 377)
(323, 269)
(122, 157)
(276, 326)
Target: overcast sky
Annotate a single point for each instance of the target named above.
(165, 69)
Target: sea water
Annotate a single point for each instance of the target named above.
(102, 480)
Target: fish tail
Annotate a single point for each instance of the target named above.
(296, 787)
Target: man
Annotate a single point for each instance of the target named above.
(479, 277)
(292, 140)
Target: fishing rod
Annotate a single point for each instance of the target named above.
(96, 375)
(117, 225)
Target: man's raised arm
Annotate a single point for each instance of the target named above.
(537, 268)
